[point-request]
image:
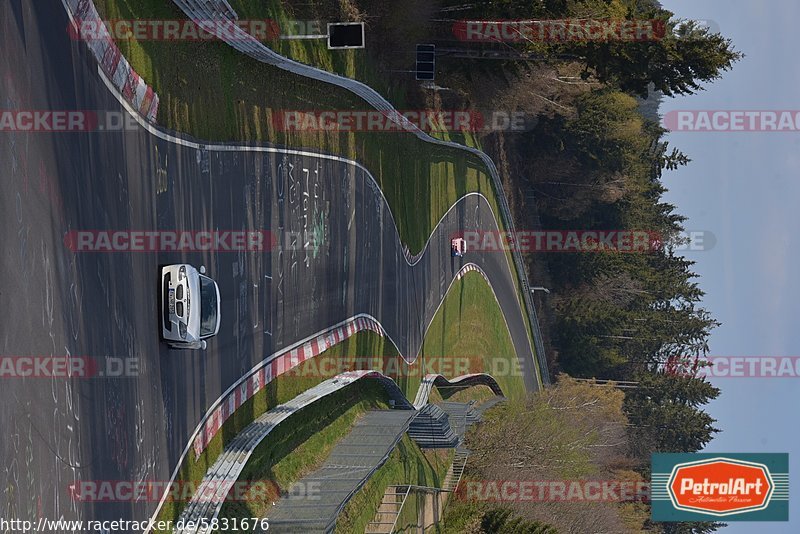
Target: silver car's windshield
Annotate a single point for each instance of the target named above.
(208, 306)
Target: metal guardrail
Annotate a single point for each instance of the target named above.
(432, 380)
(202, 11)
(415, 489)
(405, 492)
(230, 463)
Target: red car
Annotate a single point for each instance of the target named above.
(458, 247)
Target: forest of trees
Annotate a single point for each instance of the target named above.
(595, 162)
(572, 430)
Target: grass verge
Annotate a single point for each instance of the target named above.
(354, 63)
(407, 464)
(469, 327)
(462, 516)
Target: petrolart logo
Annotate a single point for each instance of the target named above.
(733, 487)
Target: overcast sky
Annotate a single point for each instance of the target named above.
(745, 188)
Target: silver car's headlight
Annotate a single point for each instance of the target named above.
(182, 330)
(181, 273)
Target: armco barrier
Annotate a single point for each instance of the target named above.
(437, 380)
(205, 10)
(207, 501)
(113, 63)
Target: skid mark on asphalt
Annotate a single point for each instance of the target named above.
(74, 305)
(22, 239)
(102, 284)
(162, 182)
(65, 448)
(12, 473)
(23, 231)
(122, 193)
(240, 328)
(48, 307)
(345, 188)
(48, 189)
(146, 469)
(63, 452)
(203, 160)
(116, 425)
(34, 473)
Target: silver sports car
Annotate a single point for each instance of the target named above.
(190, 306)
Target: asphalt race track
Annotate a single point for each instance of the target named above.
(104, 305)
